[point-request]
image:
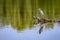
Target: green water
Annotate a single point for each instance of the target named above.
(19, 13)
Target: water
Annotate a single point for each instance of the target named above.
(16, 20)
(8, 33)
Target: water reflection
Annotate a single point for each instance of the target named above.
(47, 26)
(22, 26)
(8, 33)
(21, 32)
(19, 13)
(41, 29)
(17, 23)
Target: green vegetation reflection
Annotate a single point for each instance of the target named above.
(19, 13)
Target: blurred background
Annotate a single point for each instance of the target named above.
(19, 13)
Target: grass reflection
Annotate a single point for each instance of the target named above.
(49, 25)
(19, 13)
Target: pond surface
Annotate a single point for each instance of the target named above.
(8, 33)
(16, 20)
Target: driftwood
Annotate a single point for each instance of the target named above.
(43, 20)
(47, 20)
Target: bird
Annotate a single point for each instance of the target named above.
(41, 12)
(42, 15)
